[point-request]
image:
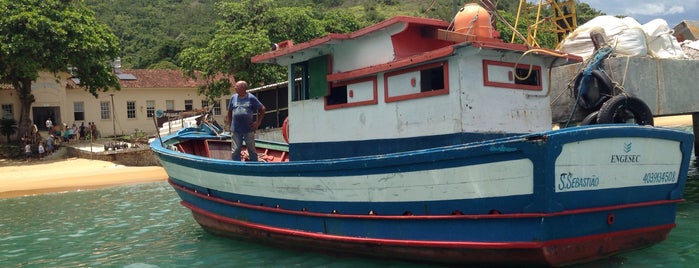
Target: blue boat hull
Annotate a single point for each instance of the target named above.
(550, 198)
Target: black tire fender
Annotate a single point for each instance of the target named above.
(619, 107)
(590, 119)
(599, 88)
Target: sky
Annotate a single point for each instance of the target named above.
(672, 11)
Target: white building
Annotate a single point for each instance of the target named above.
(132, 108)
(126, 111)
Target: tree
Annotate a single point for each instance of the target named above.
(8, 127)
(54, 36)
(248, 28)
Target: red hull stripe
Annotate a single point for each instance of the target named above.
(428, 244)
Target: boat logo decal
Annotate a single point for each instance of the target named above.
(626, 157)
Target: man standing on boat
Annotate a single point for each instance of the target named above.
(240, 113)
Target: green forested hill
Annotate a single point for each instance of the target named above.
(153, 32)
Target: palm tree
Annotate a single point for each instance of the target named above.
(8, 127)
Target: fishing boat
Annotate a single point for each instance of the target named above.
(417, 140)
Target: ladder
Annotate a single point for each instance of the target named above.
(562, 21)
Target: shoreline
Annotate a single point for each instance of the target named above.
(22, 178)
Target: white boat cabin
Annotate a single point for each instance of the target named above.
(409, 83)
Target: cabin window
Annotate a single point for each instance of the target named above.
(505, 75)
(418, 82)
(299, 74)
(105, 110)
(78, 111)
(310, 79)
(352, 93)
(130, 109)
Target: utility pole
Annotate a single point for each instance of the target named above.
(113, 112)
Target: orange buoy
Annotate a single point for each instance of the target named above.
(285, 129)
(473, 19)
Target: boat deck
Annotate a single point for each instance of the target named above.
(221, 149)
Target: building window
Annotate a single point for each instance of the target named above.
(188, 105)
(105, 110)
(130, 109)
(216, 103)
(79, 111)
(8, 111)
(150, 108)
(217, 107)
(418, 82)
(170, 105)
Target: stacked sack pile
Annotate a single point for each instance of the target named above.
(691, 49)
(627, 37)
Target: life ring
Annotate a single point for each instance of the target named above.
(622, 107)
(598, 89)
(285, 129)
(590, 119)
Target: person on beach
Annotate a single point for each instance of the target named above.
(240, 114)
(82, 131)
(93, 130)
(41, 150)
(49, 144)
(28, 151)
(76, 134)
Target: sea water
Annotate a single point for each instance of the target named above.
(144, 225)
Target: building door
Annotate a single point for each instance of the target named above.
(40, 114)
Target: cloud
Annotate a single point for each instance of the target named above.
(672, 11)
(653, 9)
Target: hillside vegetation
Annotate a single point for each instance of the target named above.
(153, 33)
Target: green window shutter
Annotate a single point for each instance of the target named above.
(318, 71)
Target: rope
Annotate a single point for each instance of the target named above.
(473, 22)
(514, 30)
(535, 50)
(593, 64)
(430, 7)
(626, 70)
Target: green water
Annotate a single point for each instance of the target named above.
(144, 226)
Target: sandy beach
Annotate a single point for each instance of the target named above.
(673, 121)
(20, 178)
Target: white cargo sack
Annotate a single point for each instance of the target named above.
(624, 35)
(661, 43)
(630, 42)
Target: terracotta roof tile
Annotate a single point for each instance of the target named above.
(159, 79)
(146, 78)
